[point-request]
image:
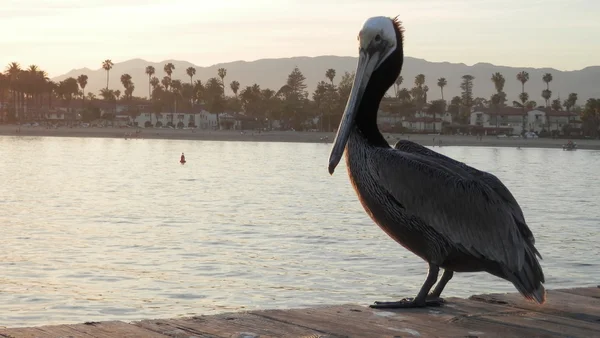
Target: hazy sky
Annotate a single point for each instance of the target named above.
(60, 35)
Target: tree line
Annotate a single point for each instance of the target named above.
(291, 103)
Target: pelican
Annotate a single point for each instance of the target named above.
(453, 216)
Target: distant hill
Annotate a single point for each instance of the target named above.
(272, 73)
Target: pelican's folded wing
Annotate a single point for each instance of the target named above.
(449, 198)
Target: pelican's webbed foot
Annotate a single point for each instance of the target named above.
(408, 303)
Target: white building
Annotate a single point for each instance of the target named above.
(201, 120)
(536, 120)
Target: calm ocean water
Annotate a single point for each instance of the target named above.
(103, 229)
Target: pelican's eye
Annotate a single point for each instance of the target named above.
(377, 38)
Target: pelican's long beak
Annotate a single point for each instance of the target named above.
(364, 69)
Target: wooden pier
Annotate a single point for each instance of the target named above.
(567, 313)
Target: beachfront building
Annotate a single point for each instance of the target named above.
(557, 121)
(511, 119)
(201, 119)
(425, 122)
(421, 122)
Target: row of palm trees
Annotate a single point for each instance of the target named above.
(22, 90)
(31, 87)
(420, 89)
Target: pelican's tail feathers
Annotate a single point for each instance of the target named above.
(529, 280)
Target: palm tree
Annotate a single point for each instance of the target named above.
(107, 66)
(166, 82)
(150, 71)
(169, 68)
(498, 80)
(191, 71)
(235, 86)
(128, 85)
(82, 81)
(442, 83)
(420, 80)
(198, 91)
(547, 93)
(523, 77)
(499, 98)
(154, 81)
(13, 70)
(330, 74)
(222, 72)
(570, 103)
(176, 87)
(547, 78)
(418, 92)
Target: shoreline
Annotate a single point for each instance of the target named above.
(290, 136)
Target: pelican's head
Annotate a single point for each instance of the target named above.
(380, 54)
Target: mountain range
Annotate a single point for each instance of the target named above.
(272, 73)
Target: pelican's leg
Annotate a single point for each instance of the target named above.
(421, 299)
(446, 277)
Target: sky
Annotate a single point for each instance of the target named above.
(60, 35)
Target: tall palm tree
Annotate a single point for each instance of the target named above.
(222, 72)
(499, 98)
(570, 103)
(150, 71)
(191, 71)
(547, 78)
(547, 93)
(107, 66)
(442, 83)
(13, 70)
(82, 81)
(35, 79)
(169, 68)
(523, 77)
(330, 74)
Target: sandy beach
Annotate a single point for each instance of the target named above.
(288, 136)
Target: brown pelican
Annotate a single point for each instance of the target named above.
(453, 216)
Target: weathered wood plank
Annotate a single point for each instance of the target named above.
(90, 330)
(227, 325)
(558, 303)
(483, 317)
(360, 321)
